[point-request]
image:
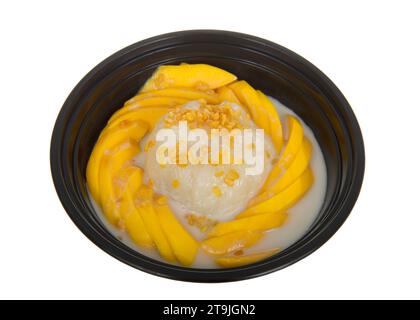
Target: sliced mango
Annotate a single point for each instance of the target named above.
(111, 163)
(296, 169)
(198, 76)
(231, 242)
(154, 228)
(149, 115)
(280, 201)
(108, 140)
(136, 228)
(182, 93)
(184, 246)
(276, 130)
(237, 261)
(292, 147)
(152, 102)
(226, 94)
(127, 181)
(264, 221)
(249, 98)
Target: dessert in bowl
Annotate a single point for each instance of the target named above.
(214, 216)
(205, 208)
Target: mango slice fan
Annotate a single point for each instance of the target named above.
(116, 183)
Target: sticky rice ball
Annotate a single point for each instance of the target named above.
(216, 190)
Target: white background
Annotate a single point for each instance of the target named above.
(370, 49)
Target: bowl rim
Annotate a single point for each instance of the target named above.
(208, 275)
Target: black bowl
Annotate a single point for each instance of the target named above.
(265, 65)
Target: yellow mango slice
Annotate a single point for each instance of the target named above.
(238, 261)
(257, 222)
(249, 98)
(127, 181)
(154, 228)
(151, 102)
(296, 169)
(111, 163)
(292, 147)
(198, 76)
(280, 201)
(276, 130)
(108, 140)
(136, 228)
(184, 246)
(149, 115)
(231, 242)
(182, 93)
(154, 102)
(226, 94)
